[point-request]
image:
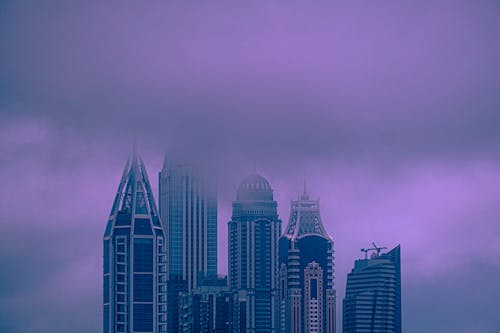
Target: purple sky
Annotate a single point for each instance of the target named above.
(390, 109)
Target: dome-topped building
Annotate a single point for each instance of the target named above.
(254, 198)
(254, 187)
(254, 231)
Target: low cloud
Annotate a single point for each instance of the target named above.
(390, 110)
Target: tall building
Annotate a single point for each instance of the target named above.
(135, 258)
(207, 309)
(188, 208)
(307, 294)
(372, 302)
(253, 257)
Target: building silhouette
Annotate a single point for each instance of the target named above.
(207, 309)
(188, 208)
(254, 231)
(307, 294)
(135, 258)
(372, 302)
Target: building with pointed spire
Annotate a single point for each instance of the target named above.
(253, 257)
(307, 295)
(135, 258)
(188, 208)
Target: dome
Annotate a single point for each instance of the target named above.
(254, 187)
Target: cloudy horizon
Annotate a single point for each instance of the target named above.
(389, 109)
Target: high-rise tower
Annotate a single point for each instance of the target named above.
(188, 208)
(135, 258)
(307, 294)
(253, 256)
(372, 302)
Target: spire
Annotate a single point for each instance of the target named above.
(134, 148)
(134, 195)
(305, 218)
(165, 162)
(305, 196)
(135, 162)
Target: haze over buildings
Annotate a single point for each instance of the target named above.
(390, 108)
(188, 208)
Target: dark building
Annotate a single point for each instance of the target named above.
(207, 309)
(253, 257)
(307, 294)
(372, 302)
(135, 258)
(188, 207)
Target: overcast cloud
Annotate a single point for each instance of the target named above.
(390, 109)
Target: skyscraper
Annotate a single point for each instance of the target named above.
(207, 309)
(307, 294)
(188, 208)
(372, 302)
(135, 258)
(253, 256)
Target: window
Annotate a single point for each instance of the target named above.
(143, 287)
(106, 289)
(143, 317)
(143, 255)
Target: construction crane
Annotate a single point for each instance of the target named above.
(366, 252)
(374, 248)
(378, 248)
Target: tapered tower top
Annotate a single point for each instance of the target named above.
(134, 195)
(305, 218)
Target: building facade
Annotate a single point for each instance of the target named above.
(307, 295)
(135, 258)
(253, 257)
(188, 208)
(372, 302)
(207, 309)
